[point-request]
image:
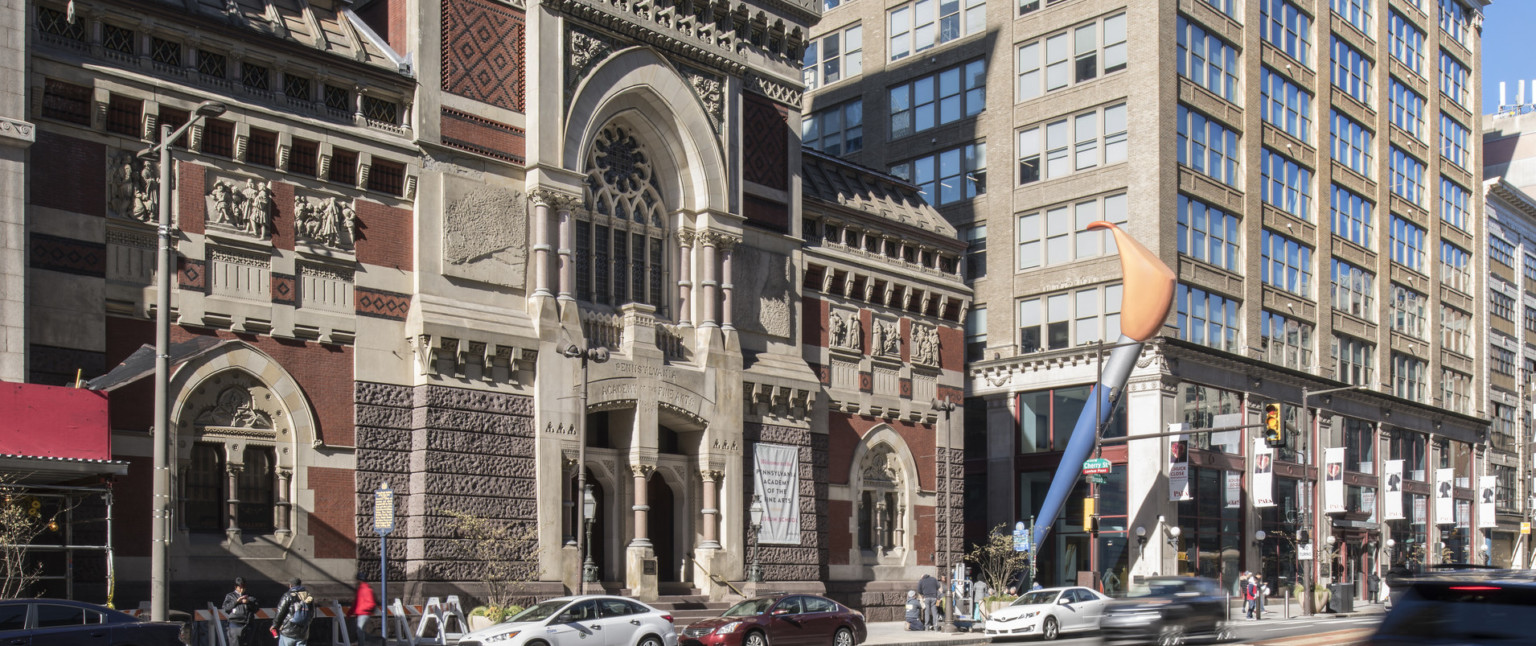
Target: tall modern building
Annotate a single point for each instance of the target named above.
(1309, 171)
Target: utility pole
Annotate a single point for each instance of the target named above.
(584, 530)
(1308, 605)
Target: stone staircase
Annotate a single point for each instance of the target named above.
(688, 608)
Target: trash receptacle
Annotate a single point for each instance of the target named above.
(1342, 597)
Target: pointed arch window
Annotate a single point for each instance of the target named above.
(621, 254)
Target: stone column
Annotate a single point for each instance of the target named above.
(709, 240)
(684, 276)
(567, 262)
(232, 513)
(727, 245)
(284, 500)
(541, 199)
(711, 510)
(642, 507)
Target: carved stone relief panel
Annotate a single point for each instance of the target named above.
(845, 330)
(328, 221)
(485, 233)
(925, 345)
(845, 374)
(711, 91)
(234, 403)
(239, 274)
(584, 50)
(885, 338)
(763, 283)
(133, 187)
(243, 207)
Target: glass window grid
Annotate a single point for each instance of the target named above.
(1207, 60)
(380, 110)
(834, 57)
(1229, 7)
(1286, 263)
(1410, 311)
(1407, 243)
(1351, 70)
(1407, 109)
(212, 64)
(125, 116)
(165, 52)
(1286, 184)
(1502, 361)
(1072, 144)
(338, 98)
(255, 77)
(1453, 140)
(976, 334)
(1501, 250)
(1209, 234)
(1354, 361)
(1407, 176)
(937, 99)
(948, 176)
(1351, 143)
(1506, 493)
(1406, 42)
(1455, 20)
(1502, 305)
(1453, 79)
(976, 251)
(57, 23)
(1455, 267)
(1530, 267)
(1285, 105)
(1353, 216)
(1071, 318)
(1456, 330)
(1199, 405)
(1045, 423)
(1359, 444)
(1208, 147)
(118, 39)
(1286, 341)
(838, 130)
(1288, 28)
(1207, 319)
(1354, 290)
(1412, 449)
(1044, 64)
(1354, 12)
(1059, 234)
(920, 26)
(1454, 204)
(297, 87)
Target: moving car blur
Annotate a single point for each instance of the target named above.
(1168, 611)
(1471, 608)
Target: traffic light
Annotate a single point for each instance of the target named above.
(1090, 517)
(1274, 432)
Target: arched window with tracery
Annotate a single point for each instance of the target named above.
(621, 249)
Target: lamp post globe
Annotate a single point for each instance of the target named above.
(589, 506)
(755, 573)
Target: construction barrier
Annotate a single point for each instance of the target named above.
(438, 622)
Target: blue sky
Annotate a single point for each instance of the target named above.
(1507, 29)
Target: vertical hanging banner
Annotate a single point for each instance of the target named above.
(1445, 511)
(1486, 516)
(777, 480)
(1392, 474)
(1263, 474)
(1333, 480)
(1178, 463)
(1234, 489)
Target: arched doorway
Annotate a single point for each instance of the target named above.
(660, 527)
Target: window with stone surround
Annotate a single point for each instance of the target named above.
(1408, 243)
(262, 149)
(297, 87)
(304, 157)
(836, 131)
(1209, 234)
(203, 491)
(175, 119)
(1286, 263)
(119, 40)
(949, 176)
(1353, 216)
(381, 111)
(1076, 55)
(1405, 41)
(833, 57)
(1453, 141)
(57, 23)
(258, 481)
(1354, 290)
(1208, 147)
(1501, 360)
(1207, 60)
(1352, 144)
(125, 116)
(1354, 12)
(1456, 330)
(1501, 305)
(1352, 70)
(1409, 377)
(1059, 234)
(1286, 184)
(1288, 28)
(219, 138)
(1410, 311)
(1284, 105)
(1354, 360)
(1501, 250)
(165, 52)
(255, 77)
(212, 64)
(1207, 319)
(1286, 341)
(1406, 109)
(1071, 318)
(948, 96)
(343, 167)
(67, 102)
(386, 177)
(338, 99)
(919, 26)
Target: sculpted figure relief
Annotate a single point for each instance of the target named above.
(245, 209)
(887, 339)
(133, 188)
(925, 345)
(847, 332)
(327, 221)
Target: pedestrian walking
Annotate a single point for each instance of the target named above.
(240, 608)
(1250, 595)
(914, 614)
(295, 611)
(928, 589)
(362, 606)
(979, 593)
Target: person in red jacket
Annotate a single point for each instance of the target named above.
(362, 606)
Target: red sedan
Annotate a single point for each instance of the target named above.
(784, 620)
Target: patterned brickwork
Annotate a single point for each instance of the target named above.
(808, 560)
(384, 237)
(192, 274)
(68, 174)
(378, 303)
(483, 45)
(67, 255)
(282, 216)
(483, 136)
(765, 143)
(951, 348)
(285, 290)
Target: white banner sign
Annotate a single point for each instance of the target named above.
(778, 482)
(1419, 513)
(1178, 463)
(1304, 552)
(1486, 516)
(1333, 480)
(1232, 440)
(1445, 512)
(1393, 479)
(1234, 489)
(1263, 474)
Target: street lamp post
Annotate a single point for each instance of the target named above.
(587, 355)
(1308, 604)
(160, 530)
(945, 406)
(755, 573)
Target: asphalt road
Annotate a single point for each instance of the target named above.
(1316, 631)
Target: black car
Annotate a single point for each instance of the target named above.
(1168, 611)
(50, 622)
(1470, 608)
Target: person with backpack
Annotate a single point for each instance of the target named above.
(240, 608)
(295, 611)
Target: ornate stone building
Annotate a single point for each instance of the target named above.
(410, 216)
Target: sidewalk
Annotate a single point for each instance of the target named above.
(894, 632)
(1275, 609)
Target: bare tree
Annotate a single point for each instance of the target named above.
(995, 559)
(23, 518)
(507, 553)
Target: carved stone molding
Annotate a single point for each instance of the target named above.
(556, 199)
(711, 91)
(643, 470)
(17, 132)
(685, 237)
(781, 92)
(584, 50)
(485, 234)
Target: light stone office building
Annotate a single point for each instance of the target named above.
(1307, 169)
(409, 214)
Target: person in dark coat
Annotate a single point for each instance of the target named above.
(241, 608)
(914, 616)
(928, 589)
(291, 625)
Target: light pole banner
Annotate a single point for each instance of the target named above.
(1333, 480)
(1234, 489)
(1445, 511)
(1178, 463)
(1263, 474)
(1393, 477)
(777, 479)
(1486, 516)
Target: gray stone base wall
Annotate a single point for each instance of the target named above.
(808, 560)
(383, 422)
(878, 600)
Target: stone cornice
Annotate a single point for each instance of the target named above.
(16, 132)
(627, 25)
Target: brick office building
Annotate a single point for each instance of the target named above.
(409, 213)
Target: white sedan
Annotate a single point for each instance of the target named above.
(1048, 612)
(580, 621)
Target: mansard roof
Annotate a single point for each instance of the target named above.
(314, 25)
(878, 195)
